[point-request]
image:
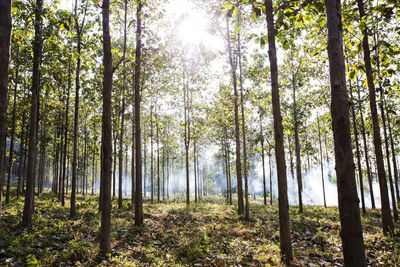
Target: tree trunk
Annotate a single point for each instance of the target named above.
(158, 160)
(163, 173)
(133, 177)
(138, 196)
(246, 183)
(195, 170)
(353, 113)
(387, 221)
(371, 190)
(145, 162)
(290, 156)
(105, 229)
(392, 194)
(66, 141)
(237, 125)
(21, 161)
(284, 226)
(321, 161)
(395, 171)
(297, 147)
(76, 116)
(11, 156)
(151, 157)
(114, 160)
(263, 160)
(121, 134)
(270, 176)
(37, 51)
(349, 211)
(5, 35)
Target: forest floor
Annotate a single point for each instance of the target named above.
(207, 234)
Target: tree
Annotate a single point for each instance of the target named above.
(138, 138)
(79, 31)
(284, 227)
(5, 36)
(351, 231)
(387, 221)
(121, 135)
(106, 144)
(37, 53)
(237, 125)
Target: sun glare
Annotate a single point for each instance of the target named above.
(192, 29)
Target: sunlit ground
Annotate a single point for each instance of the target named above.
(209, 233)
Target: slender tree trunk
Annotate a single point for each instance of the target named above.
(21, 161)
(263, 160)
(145, 163)
(387, 221)
(42, 160)
(163, 173)
(357, 149)
(114, 160)
(195, 170)
(105, 229)
(151, 157)
(37, 51)
(229, 175)
(395, 170)
(270, 176)
(297, 147)
(246, 183)
(76, 116)
(11, 155)
(392, 194)
(290, 156)
(158, 160)
(284, 226)
(121, 135)
(93, 169)
(66, 125)
(321, 161)
(133, 177)
(349, 211)
(237, 125)
(5, 36)
(138, 196)
(371, 190)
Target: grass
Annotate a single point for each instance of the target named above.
(209, 233)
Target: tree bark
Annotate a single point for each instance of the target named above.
(321, 161)
(5, 36)
(387, 221)
(11, 156)
(237, 125)
(297, 147)
(284, 226)
(246, 183)
(105, 228)
(78, 29)
(138, 196)
(121, 135)
(37, 51)
(395, 170)
(263, 160)
(349, 211)
(360, 176)
(371, 190)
